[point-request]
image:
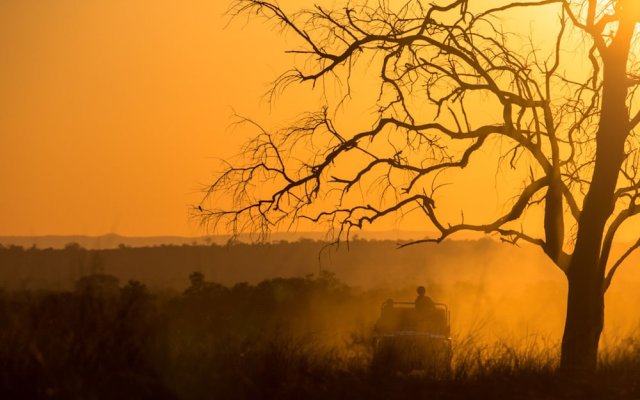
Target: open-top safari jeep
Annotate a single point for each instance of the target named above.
(409, 338)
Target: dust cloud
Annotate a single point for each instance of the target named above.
(496, 292)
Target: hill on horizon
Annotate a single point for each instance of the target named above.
(113, 240)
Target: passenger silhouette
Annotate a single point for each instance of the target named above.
(423, 302)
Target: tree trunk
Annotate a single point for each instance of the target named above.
(585, 301)
(584, 323)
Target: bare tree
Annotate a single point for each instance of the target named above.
(451, 83)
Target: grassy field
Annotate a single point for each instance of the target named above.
(282, 338)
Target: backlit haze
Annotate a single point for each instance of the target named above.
(114, 114)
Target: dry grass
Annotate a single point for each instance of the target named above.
(247, 342)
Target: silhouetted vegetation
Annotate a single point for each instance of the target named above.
(363, 263)
(281, 338)
(456, 83)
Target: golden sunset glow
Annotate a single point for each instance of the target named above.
(319, 199)
(113, 113)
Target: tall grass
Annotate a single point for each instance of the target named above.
(283, 339)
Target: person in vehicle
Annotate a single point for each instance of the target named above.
(423, 302)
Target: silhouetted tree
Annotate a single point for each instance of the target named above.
(73, 246)
(454, 88)
(197, 283)
(201, 287)
(134, 289)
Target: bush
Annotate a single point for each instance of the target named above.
(282, 338)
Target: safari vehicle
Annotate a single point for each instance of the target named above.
(407, 338)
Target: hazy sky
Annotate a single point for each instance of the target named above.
(111, 111)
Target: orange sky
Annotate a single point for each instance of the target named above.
(112, 112)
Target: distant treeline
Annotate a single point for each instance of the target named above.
(360, 263)
(112, 241)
